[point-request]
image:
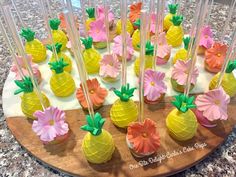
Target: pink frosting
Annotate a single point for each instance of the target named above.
(101, 14)
(202, 120)
(180, 72)
(98, 31)
(153, 24)
(109, 66)
(50, 124)
(154, 84)
(34, 66)
(213, 104)
(206, 39)
(117, 48)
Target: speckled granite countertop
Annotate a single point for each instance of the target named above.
(15, 161)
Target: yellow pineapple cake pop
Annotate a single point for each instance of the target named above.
(148, 58)
(91, 17)
(60, 54)
(91, 56)
(181, 122)
(136, 36)
(33, 46)
(61, 82)
(97, 145)
(129, 27)
(124, 110)
(228, 81)
(29, 100)
(167, 20)
(175, 33)
(182, 53)
(58, 35)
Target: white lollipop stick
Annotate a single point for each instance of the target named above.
(18, 14)
(107, 25)
(209, 11)
(83, 17)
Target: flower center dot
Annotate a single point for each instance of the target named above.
(218, 54)
(91, 91)
(152, 83)
(144, 135)
(51, 122)
(217, 102)
(206, 36)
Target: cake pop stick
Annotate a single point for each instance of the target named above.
(151, 12)
(209, 11)
(105, 4)
(22, 23)
(225, 28)
(194, 42)
(124, 41)
(84, 17)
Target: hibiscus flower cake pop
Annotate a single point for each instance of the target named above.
(212, 106)
(135, 11)
(50, 125)
(101, 15)
(180, 73)
(98, 33)
(117, 48)
(206, 40)
(97, 94)
(154, 86)
(214, 57)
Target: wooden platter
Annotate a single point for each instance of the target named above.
(172, 157)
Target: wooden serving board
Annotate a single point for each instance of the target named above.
(172, 156)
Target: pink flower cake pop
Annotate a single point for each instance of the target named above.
(206, 40)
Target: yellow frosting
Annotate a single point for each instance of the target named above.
(181, 54)
(88, 22)
(66, 59)
(62, 84)
(136, 39)
(37, 50)
(181, 126)
(174, 36)
(129, 27)
(122, 113)
(59, 37)
(91, 60)
(167, 21)
(228, 83)
(148, 64)
(31, 103)
(98, 149)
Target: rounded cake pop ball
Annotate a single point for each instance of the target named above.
(148, 58)
(136, 36)
(58, 35)
(117, 47)
(175, 33)
(98, 33)
(35, 69)
(124, 110)
(29, 100)
(154, 86)
(143, 138)
(206, 40)
(129, 27)
(214, 57)
(91, 17)
(212, 106)
(33, 46)
(110, 68)
(228, 81)
(135, 11)
(97, 145)
(61, 82)
(180, 73)
(50, 125)
(167, 20)
(91, 56)
(182, 54)
(181, 122)
(97, 94)
(60, 54)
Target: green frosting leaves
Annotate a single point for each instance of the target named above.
(186, 41)
(91, 12)
(87, 42)
(54, 23)
(125, 92)
(57, 46)
(137, 23)
(177, 20)
(173, 8)
(94, 126)
(183, 102)
(25, 85)
(58, 66)
(28, 34)
(231, 66)
(149, 48)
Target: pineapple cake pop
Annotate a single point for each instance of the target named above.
(91, 56)
(60, 54)
(148, 59)
(91, 17)
(130, 28)
(168, 18)
(182, 54)
(33, 46)
(181, 122)
(61, 82)
(124, 110)
(97, 145)
(136, 35)
(58, 35)
(175, 33)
